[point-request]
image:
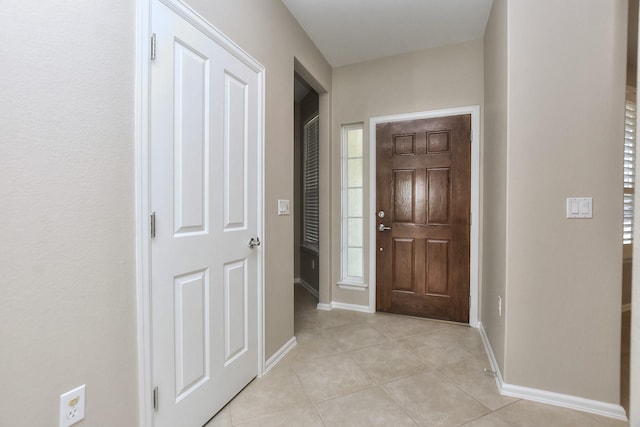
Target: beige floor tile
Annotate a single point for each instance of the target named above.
(314, 344)
(355, 336)
(464, 336)
(532, 414)
(395, 327)
(387, 362)
(307, 417)
(303, 300)
(469, 374)
(306, 321)
(370, 407)
(435, 351)
(433, 400)
(222, 419)
(336, 317)
(277, 391)
(332, 376)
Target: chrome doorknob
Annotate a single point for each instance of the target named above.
(383, 227)
(254, 242)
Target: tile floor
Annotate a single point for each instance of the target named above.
(357, 369)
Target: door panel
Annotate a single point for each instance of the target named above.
(204, 114)
(423, 184)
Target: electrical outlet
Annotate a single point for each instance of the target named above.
(72, 406)
(499, 307)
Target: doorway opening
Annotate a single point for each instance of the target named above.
(306, 203)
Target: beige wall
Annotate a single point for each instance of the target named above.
(494, 206)
(428, 80)
(565, 99)
(67, 311)
(67, 270)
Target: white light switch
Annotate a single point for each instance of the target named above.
(579, 207)
(283, 207)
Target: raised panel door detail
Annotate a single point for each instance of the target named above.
(191, 325)
(191, 134)
(404, 145)
(403, 189)
(235, 310)
(403, 256)
(438, 142)
(437, 267)
(235, 152)
(439, 196)
(422, 261)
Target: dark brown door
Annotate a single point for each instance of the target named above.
(423, 188)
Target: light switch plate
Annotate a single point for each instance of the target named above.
(579, 207)
(283, 207)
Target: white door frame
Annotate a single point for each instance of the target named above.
(142, 189)
(474, 110)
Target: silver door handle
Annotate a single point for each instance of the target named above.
(254, 242)
(383, 227)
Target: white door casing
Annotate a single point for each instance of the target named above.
(203, 294)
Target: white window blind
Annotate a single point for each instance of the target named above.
(629, 164)
(311, 199)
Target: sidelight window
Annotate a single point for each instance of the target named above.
(352, 205)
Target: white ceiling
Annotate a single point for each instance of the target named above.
(351, 31)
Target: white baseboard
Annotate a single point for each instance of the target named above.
(352, 307)
(565, 400)
(492, 358)
(626, 307)
(343, 306)
(278, 355)
(324, 307)
(557, 399)
(307, 286)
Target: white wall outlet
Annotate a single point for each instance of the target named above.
(72, 406)
(499, 306)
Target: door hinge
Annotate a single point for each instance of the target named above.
(152, 225)
(470, 218)
(153, 46)
(155, 399)
(470, 136)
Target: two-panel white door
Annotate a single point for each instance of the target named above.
(205, 117)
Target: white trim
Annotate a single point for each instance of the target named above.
(352, 286)
(626, 307)
(143, 290)
(307, 286)
(142, 190)
(565, 401)
(351, 307)
(323, 306)
(344, 306)
(474, 110)
(548, 397)
(280, 354)
(492, 358)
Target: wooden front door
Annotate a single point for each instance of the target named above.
(423, 196)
